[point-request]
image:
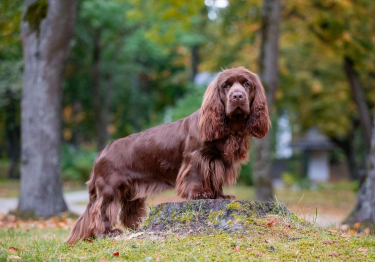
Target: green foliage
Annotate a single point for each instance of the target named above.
(35, 13)
(76, 163)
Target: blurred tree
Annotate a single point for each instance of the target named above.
(364, 210)
(10, 81)
(46, 27)
(338, 34)
(268, 73)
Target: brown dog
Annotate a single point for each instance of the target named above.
(196, 155)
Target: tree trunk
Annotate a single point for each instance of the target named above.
(364, 211)
(268, 73)
(46, 32)
(347, 145)
(360, 101)
(99, 106)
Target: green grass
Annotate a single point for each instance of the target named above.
(280, 242)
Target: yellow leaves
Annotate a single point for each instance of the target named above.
(317, 87)
(357, 225)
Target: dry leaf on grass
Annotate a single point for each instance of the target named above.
(71, 245)
(135, 235)
(15, 257)
(333, 254)
(236, 247)
(116, 254)
(345, 235)
(328, 242)
(362, 249)
(90, 240)
(13, 249)
(191, 230)
(331, 230)
(357, 225)
(272, 223)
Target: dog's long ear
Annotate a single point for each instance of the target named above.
(212, 115)
(259, 121)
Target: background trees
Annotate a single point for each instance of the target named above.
(132, 66)
(46, 30)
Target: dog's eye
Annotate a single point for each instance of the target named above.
(226, 86)
(247, 84)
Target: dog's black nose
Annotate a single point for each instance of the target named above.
(237, 96)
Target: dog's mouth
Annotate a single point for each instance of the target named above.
(238, 112)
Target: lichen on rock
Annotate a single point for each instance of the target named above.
(202, 215)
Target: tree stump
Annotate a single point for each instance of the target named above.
(203, 215)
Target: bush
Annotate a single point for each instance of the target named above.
(76, 163)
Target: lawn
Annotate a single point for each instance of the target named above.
(271, 238)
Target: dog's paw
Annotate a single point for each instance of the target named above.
(230, 197)
(116, 232)
(204, 194)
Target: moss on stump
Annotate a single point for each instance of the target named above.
(203, 215)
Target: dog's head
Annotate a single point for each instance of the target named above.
(238, 94)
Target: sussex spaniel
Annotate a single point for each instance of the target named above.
(196, 155)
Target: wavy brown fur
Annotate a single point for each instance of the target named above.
(196, 155)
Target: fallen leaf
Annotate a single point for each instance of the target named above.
(191, 230)
(139, 225)
(331, 230)
(135, 235)
(90, 240)
(302, 219)
(333, 254)
(357, 225)
(345, 235)
(272, 223)
(362, 249)
(352, 232)
(236, 247)
(328, 242)
(15, 257)
(116, 254)
(367, 231)
(71, 245)
(13, 249)
(61, 224)
(44, 260)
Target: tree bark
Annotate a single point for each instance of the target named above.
(101, 128)
(360, 101)
(364, 211)
(46, 32)
(268, 73)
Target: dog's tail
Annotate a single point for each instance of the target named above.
(82, 229)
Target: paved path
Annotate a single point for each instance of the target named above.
(76, 204)
(73, 200)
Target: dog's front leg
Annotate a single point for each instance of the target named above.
(190, 184)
